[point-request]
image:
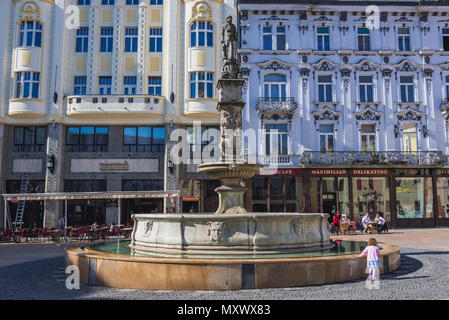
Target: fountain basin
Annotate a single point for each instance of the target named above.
(248, 233)
(114, 265)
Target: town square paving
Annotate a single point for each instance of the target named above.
(37, 271)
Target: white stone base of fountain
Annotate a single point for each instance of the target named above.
(249, 233)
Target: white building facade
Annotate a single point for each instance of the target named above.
(352, 102)
(91, 91)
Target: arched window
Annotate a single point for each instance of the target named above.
(275, 86)
(201, 34)
(30, 34)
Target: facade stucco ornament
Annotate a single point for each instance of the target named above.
(429, 85)
(365, 65)
(346, 84)
(324, 65)
(30, 11)
(148, 227)
(387, 85)
(445, 66)
(425, 131)
(305, 85)
(403, 19)
(345, 72)
(409, 114)
(428, 72)
(323, 18)
(201, 12)
(326, 113)
(406, 65)
(275, 64)
(367, 114)
(217, 231)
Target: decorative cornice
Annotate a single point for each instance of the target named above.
(275, 64)
(368, 114)
(366, 65)
(326, 113)
(324, 65)
(409, 114)
(406, 65)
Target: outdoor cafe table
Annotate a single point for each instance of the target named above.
(372, 227)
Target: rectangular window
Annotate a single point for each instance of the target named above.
(130, 85)
(445, 39)
(201, 34)
(323, 38)
(143, 139)
(87, 139)
(30, 34)
(366, 88)
(155, 39)
(27, 85)
(409, 137)
(267, 38)
(325, 88)
(157, 2)
(276, 139)
(155, 86)
(280, 38)
(80, 86)
(132, 2)
(142, 185)
(368, 136)
(201, 85)
(404, 39)
(84, 2)
(131, 39)
(106, 39)
(326, 137)
(108, 2)
(414, 198)
(364, 39)
(407, 89)
(206, 141)
(104, 85)
(29, 139)
(82, 37)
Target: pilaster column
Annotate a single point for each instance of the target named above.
(92, 84)
(53, 180)
(141, 48)
(117, 49)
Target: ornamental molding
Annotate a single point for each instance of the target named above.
(406, 65)
(403, 19)
(326, 113)
(368, 114)
(201, 11)
(323, 18)
(324, 65)
(30, 11)
(275, 64)
(366, 65)
(409, 114)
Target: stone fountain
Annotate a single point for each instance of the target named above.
(231, 249)
(231, 229)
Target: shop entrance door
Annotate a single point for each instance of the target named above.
(330, 204)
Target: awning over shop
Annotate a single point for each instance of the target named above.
(90, 195)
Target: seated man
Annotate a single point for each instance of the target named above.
(365, 222)
(380, 223)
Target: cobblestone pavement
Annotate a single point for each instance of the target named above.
(422, 275)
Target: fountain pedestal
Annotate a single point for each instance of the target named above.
(231, 169)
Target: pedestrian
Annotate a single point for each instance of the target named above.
(365, 222)
(336, 223)
(380, 223)
(372, 261)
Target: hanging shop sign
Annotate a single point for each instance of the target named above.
(328, 172)
(369, 172)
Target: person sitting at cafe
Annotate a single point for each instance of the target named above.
(365, 222)
(94, 226)
(380, 223)
(112, 227)
(336, 223)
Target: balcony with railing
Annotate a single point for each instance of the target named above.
(376, 158)
(278, 160)
(281, 106)
(144, 105)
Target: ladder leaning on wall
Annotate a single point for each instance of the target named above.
(21, 204)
